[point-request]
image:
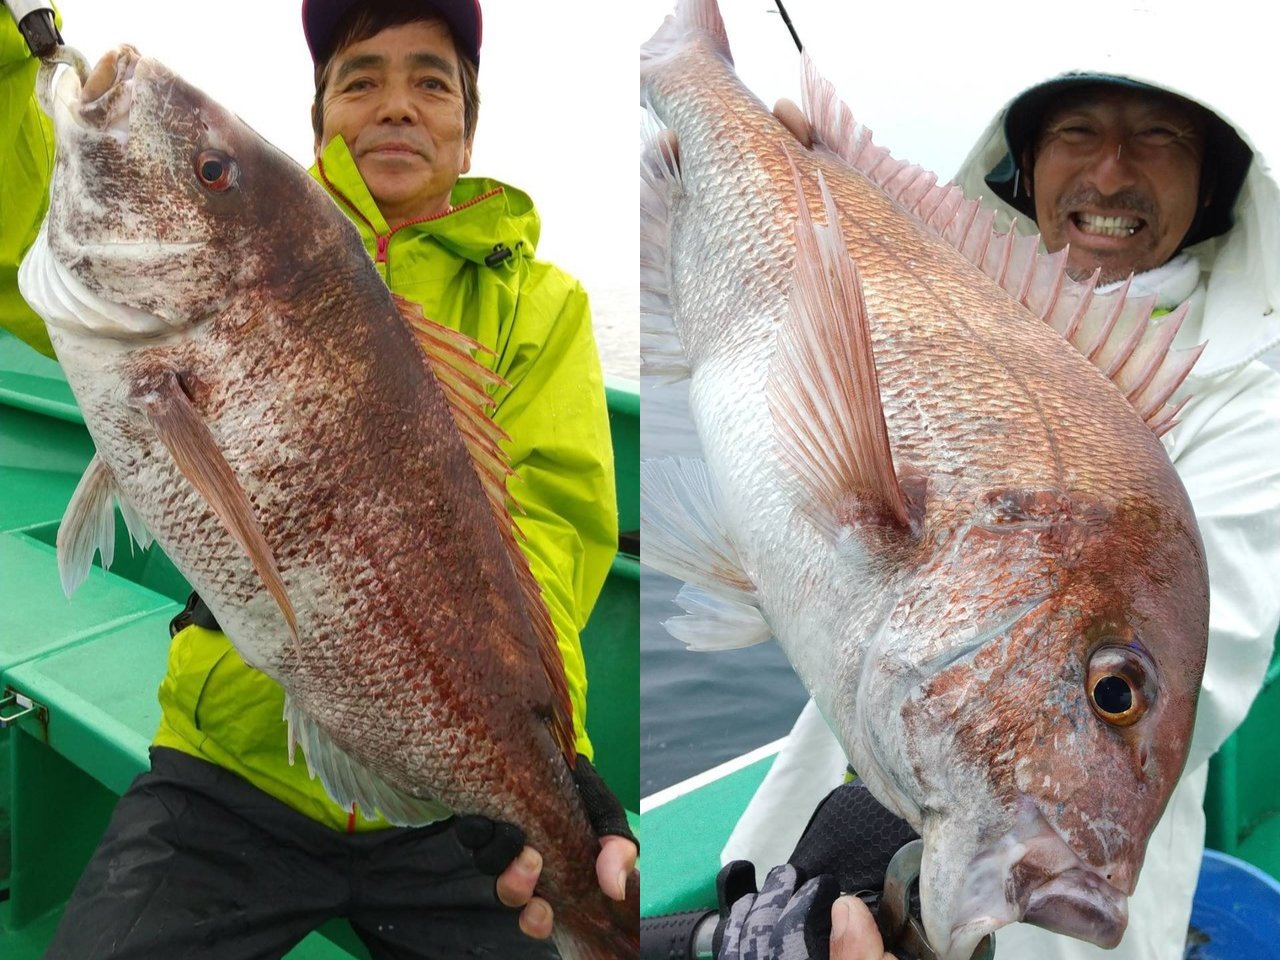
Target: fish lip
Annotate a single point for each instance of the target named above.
(1079, 903)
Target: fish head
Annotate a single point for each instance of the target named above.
(1046, 742)
(148, 229)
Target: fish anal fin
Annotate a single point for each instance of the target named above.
(823, 390)
(349, 782)
(164, 402)
(1106, 328)
(465, 384)
(88, 526)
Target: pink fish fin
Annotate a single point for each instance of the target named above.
(163, 400)
(681, 534)
(692, 20)
(348, 781)
(823, 391)
(465, 384)
(1109, 329)
(661, 354)
(88, 526)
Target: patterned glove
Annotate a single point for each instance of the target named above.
(787, 920)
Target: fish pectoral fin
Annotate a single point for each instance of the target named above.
(348, 781)
(185, 435)
(465, 384)
(88, 526)
(680, 529)
(823, 391)
(1116, 330)
(715, 621)
(662, 355)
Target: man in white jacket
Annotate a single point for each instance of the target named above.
(1138, 177)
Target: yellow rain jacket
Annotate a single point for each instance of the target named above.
(26, 160)
(472, 269)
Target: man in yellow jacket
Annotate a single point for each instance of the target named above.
(394, 117)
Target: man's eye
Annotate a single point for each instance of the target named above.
(360, 83)
(432, 83)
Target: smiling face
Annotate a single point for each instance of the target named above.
(1116, 174)
(397, 100)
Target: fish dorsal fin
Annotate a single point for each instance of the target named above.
(1114, 330)
(661, 354)
(823, 391)
(347, 781)
(163, 400)
(681, 535)
(465, 384)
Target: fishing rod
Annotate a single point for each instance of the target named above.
(790, 26)
(36, 24)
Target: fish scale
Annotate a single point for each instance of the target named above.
(1049, 533)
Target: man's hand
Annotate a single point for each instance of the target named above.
(516, 884)
(791, 920)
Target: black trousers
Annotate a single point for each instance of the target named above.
(198, 864)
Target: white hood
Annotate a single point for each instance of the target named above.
(1240, 320)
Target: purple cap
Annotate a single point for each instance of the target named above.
(320, 18)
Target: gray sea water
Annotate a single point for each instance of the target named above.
(697, 709)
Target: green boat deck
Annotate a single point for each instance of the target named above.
(91, 665)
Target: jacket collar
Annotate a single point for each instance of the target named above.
(486, 213)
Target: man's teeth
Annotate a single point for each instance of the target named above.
(1107, 226)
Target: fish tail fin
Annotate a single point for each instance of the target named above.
(611, 935)
(692, 18)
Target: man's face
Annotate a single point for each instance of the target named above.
(1116, 175)
(397, 101)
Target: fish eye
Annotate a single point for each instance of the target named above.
(215, 170)
(1121, 684)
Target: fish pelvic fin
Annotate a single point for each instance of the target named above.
(693, 18)
(465, 384)
(661, 354)
(88, 526)
(164, 402)
(681, 535)
(823, 390)
(1117, 331)
(348, 782)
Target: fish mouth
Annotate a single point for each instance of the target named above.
(1031, 874)
(99, 102)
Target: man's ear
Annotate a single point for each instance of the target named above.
(466, 155)
(313, 126)
(1024, 169)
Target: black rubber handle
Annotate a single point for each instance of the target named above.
(671, 936)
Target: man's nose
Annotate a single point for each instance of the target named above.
(396, 105)
(1114, 169)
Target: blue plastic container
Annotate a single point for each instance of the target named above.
(1236, 913)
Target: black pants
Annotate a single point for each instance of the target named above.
(198, 864)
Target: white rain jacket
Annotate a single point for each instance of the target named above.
(1226, 449)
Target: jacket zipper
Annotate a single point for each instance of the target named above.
(383, 240)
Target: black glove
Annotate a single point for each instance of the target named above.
(789, 919)
(493, 843)
(607, 816)
(852, 837)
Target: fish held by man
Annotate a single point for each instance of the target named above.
(932, 472)
(316, 459)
